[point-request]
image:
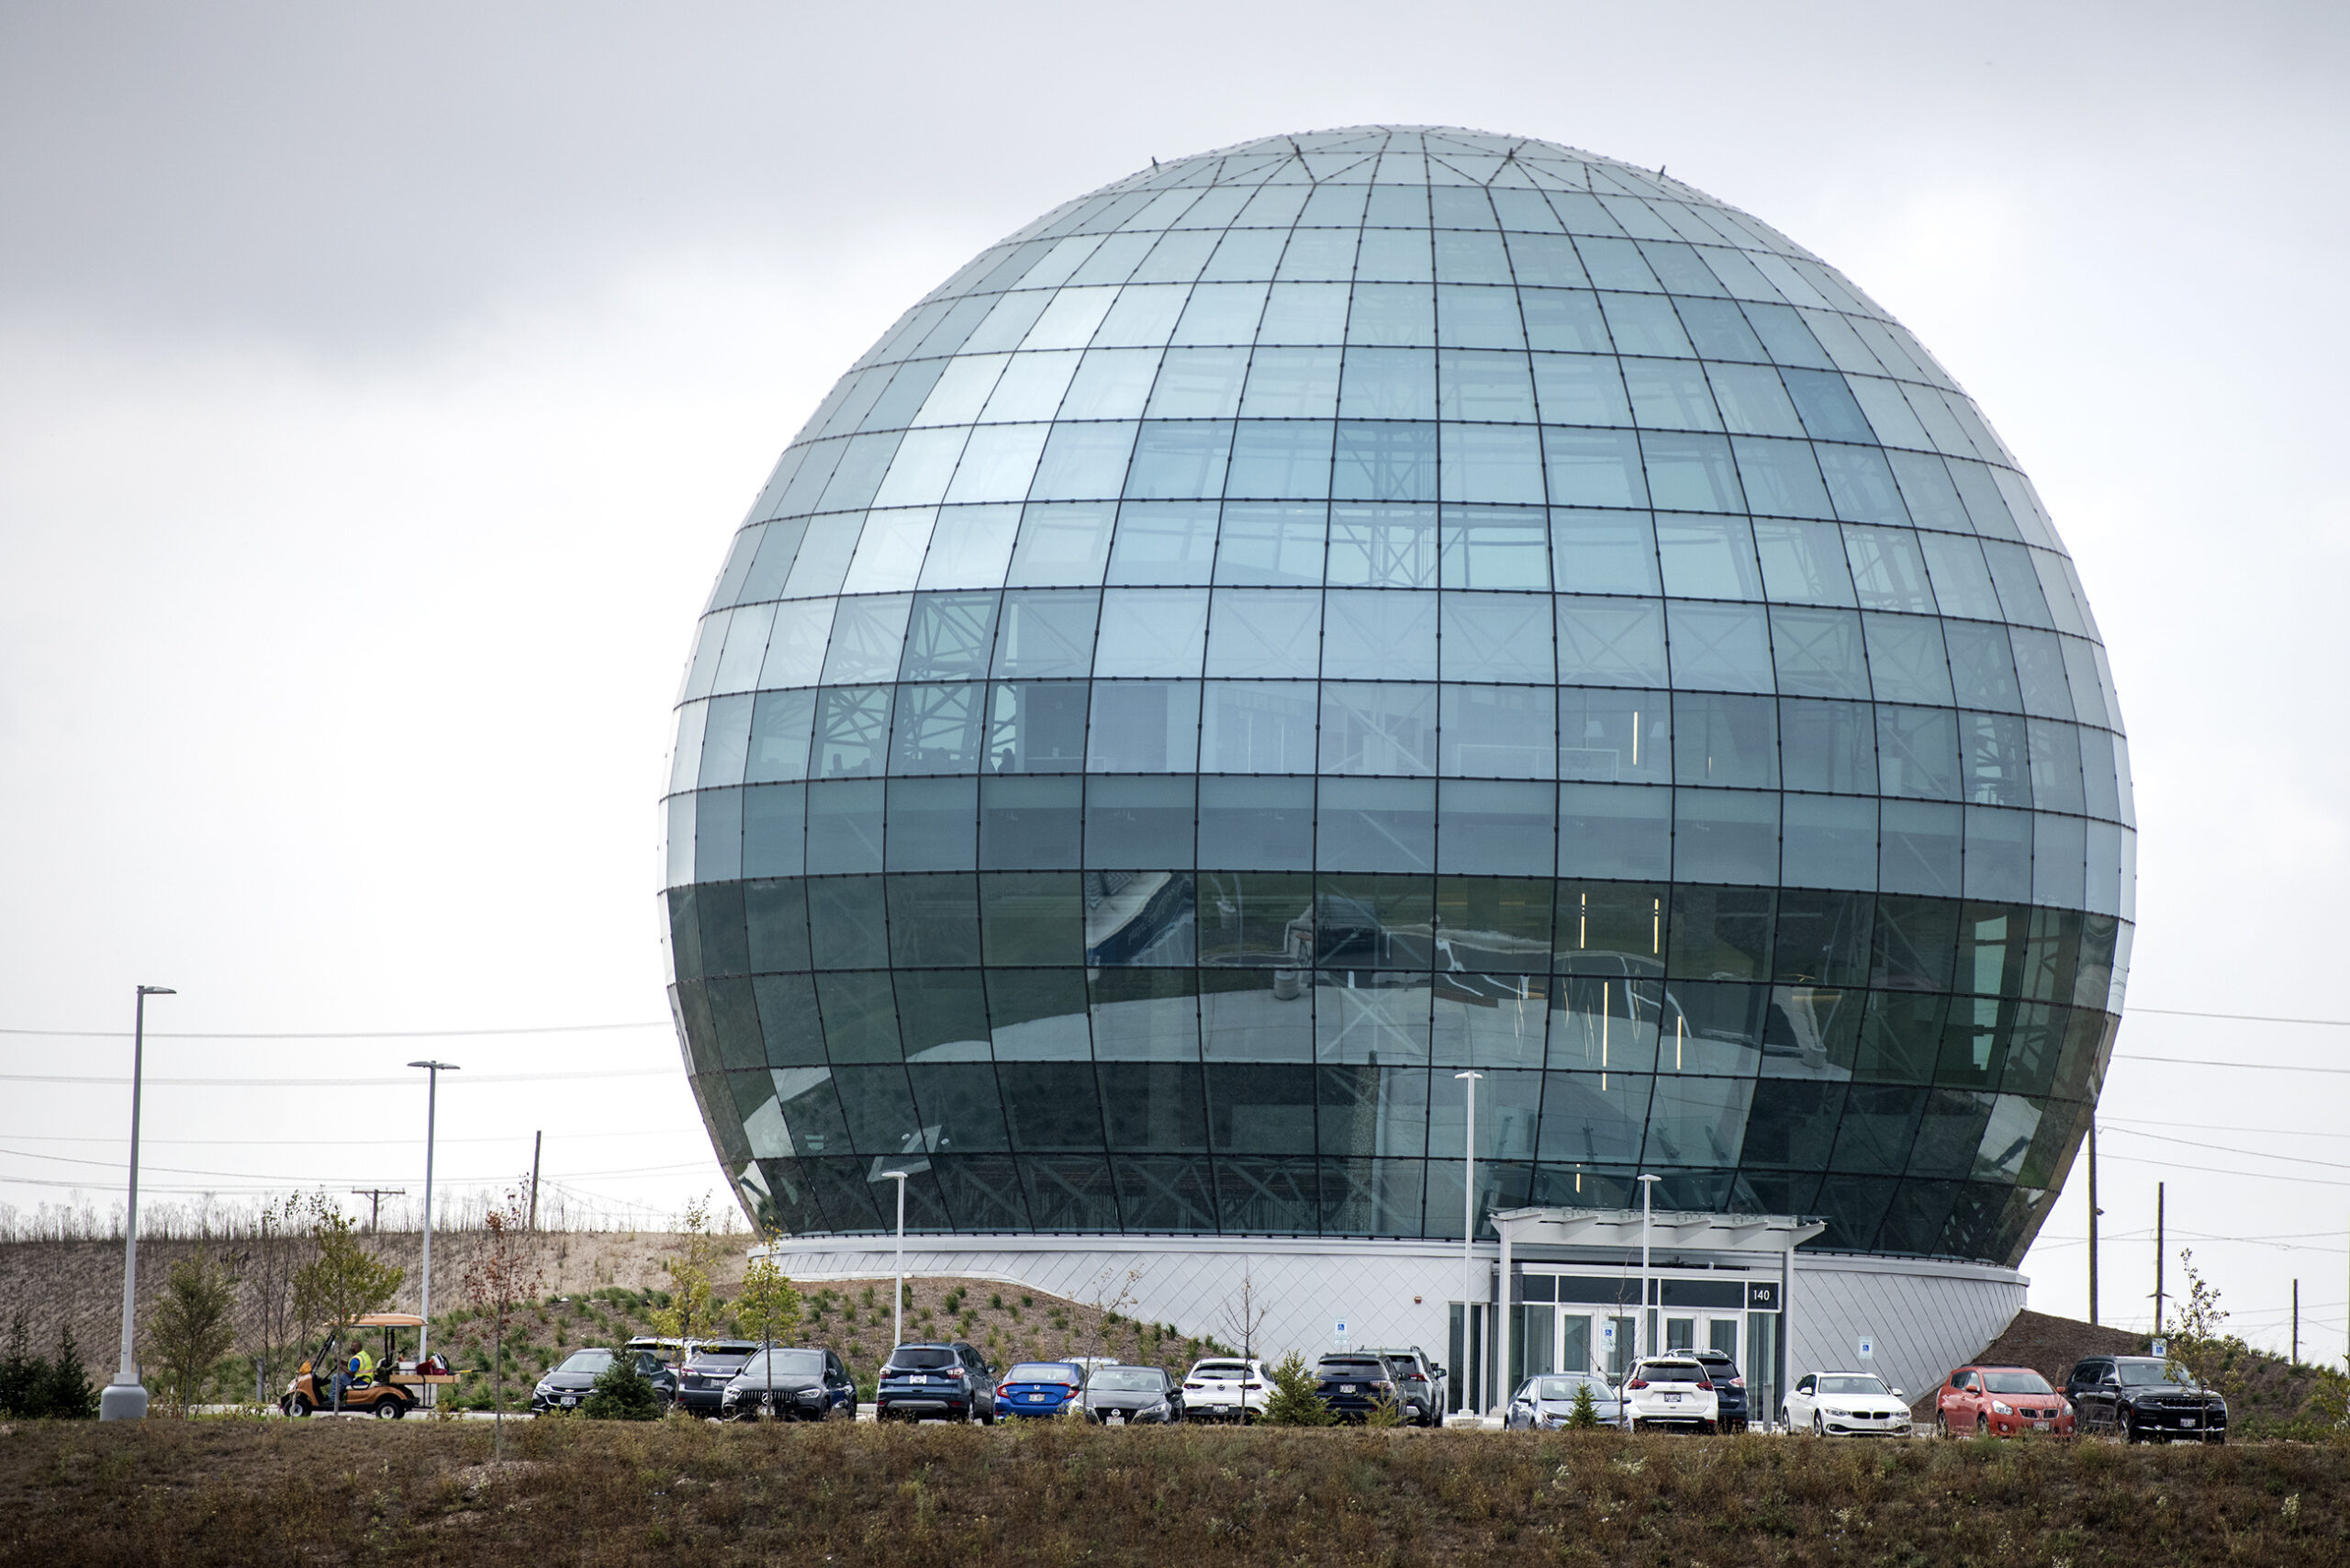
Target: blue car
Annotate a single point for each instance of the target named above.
(1038, 1388)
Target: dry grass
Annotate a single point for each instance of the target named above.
(335, 1492)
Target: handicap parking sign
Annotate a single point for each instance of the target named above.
(1867, 1347)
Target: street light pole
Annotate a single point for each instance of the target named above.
(125, 1399)
(1467, 1239)
(1640, 1330)
(432, 1070)
(898, 1295)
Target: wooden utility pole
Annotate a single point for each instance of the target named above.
(535, 1140)
(2158, 1259)
(375, 1196)
(2094, 1212)
(2297, 1324)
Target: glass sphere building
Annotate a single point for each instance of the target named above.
(1310, 619)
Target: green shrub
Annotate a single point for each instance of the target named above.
(1584, 1416)
(623, 1394)
(1294, 1401)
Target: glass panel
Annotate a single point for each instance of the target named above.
(1158, 544)
(1379, 634)
(1152, 632)
(1257, 824)
(1270, 545)
(1383, 547)
(1603, 552)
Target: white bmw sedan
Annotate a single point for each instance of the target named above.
(1845, 1405)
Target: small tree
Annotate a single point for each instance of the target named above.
(770, 1301)
(1584, 1415)
(64, 1390)
(623, 1393)
(21, 1373)
(500, 1281)
(268, 1325)
(340, 1284)
(193, 1327)
(695, 1258)
(1295, 1400)
(1243, 1315)
(2196, 1346)
(1111, 1295)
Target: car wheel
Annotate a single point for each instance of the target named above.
(1819, 1424)
(2215, 1437)
(1982, 1426)
(2128, 1428)
(1941, 1424)
(297, 1406)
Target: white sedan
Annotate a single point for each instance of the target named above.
(1845, 1405)
(1224, 1388)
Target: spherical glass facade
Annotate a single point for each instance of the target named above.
(1312, 618)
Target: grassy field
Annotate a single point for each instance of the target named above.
(571, 1491)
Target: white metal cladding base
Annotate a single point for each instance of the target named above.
(1922, 1317)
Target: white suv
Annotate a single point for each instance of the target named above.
(1224, 1388)
(1670, 1390)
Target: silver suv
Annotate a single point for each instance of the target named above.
(1419, 1383)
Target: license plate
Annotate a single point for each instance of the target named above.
(2187, 1420)
(2040, 1425)
(569, 1399)
(1118, 1418)
(1672, 1399)
(1346, 1388)
(1033, 1399)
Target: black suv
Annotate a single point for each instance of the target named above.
(936, 1377)
(1353, 1383)
(1730, 1387)
(703, 1376)
(2139, 1397)
(1418, 1385)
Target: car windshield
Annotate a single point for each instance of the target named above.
(1559, 1387)
(2141, 1373)
(785, 1363)
(1853, 1382)
(1041, 1372)
(1220, 1368)
(922, 1358)
(1126, 1380)
(2015, 1382)
(1334, 1368)
(1673, 1372)
(586, 1362)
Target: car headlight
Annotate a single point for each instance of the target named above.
(2002, 1407)
(1839, 1415)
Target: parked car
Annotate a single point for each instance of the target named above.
(2140, 1397)
(1117, 1395)
(569, 1384)
(1419, 1385)
(790, 1384)
(1224, 1388)
(1038, 1388)
(938, 1377)
(1544, 1402)
(671, 1351)
(1669, 1392)
(1730, 1385)
(1999, 1402)
(1353, 1383)
(703, 1376)
(1845, 1405)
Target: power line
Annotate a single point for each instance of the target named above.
(276, 1142)
(341, 1034)
(260, 1175)
(2214, 1062)
(340, 1082)
(2245, 1018)
(2225, 1148)
(2213, 1170)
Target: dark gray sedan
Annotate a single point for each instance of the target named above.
(1546, 1402)
(1118, 1396)
(789, 1385)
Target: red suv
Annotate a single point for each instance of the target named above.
(1999, 1402)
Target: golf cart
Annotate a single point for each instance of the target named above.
(397, 1387)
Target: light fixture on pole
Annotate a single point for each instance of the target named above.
(1642, 1331)
(433, 1069)
(898, 1295)
(125, 1399)
(1468, 1237)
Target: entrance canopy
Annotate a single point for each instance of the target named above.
(1622, 1229)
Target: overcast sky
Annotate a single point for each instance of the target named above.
(380, 385)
